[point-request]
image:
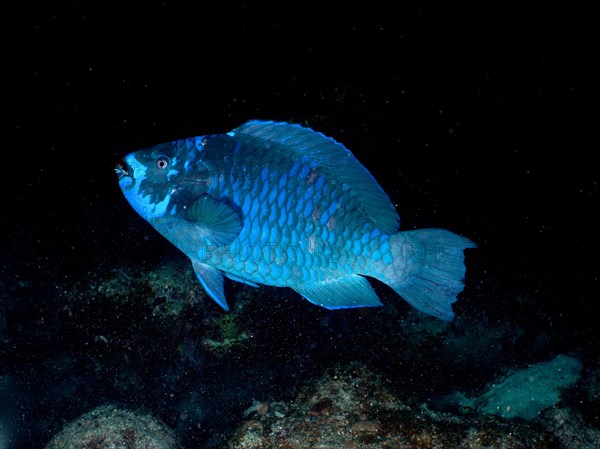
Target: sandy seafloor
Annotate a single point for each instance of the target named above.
(475, 119)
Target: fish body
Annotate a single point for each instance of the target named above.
(279, 204)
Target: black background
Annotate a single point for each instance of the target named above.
(480, 119)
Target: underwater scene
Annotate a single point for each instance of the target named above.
(280, 225)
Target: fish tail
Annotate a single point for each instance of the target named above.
(428, 269)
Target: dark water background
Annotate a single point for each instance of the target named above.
(479, 119)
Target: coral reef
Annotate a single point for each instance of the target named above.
(527, 392)
(165, 294)
(108, 427)
(352, 408)
(225, 332)
(139, 336)
(570, 429)
(166, 290)
(590, 392)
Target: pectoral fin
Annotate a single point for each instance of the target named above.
(216, 220)
(212, 281)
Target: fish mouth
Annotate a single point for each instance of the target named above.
(124, 169)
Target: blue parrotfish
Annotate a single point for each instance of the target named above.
(279, 204)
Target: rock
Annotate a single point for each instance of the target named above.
(351, 407)
(526, 393)
(108, 427)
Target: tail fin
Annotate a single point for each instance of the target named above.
(429, 269)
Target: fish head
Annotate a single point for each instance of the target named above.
(158, 181)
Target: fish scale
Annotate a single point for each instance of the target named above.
(300, 223)
(279, 204)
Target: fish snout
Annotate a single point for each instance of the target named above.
(124, 169)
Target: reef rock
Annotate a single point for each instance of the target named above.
(352, 408)
(108, 427)
(526, 393)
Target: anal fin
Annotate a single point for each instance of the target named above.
(340, 293)
(233, 277)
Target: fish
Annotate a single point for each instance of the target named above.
(279, 204)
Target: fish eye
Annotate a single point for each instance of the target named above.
(162, 162)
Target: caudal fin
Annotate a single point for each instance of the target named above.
(428, 269)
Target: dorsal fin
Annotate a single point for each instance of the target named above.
(331, 156)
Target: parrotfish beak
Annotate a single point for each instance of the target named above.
(123, 169)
